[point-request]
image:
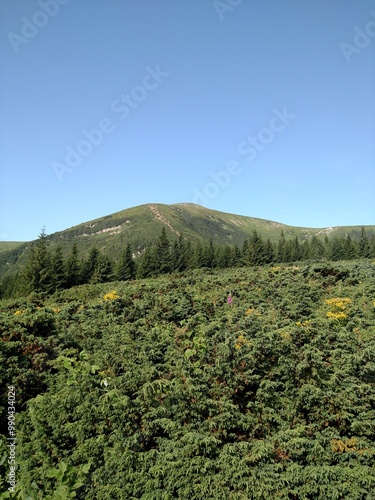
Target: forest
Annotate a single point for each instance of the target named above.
(159, 388)
(49, 270)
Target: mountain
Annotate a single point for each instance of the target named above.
(142, 225)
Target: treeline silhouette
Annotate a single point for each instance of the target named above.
(48, 271)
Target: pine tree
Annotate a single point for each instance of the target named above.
(147, 267)
(163, 253)
(210, 255)
(269, 252)
(179, 255)
(38, 271)
(58, 269)
(72, 268)
(236, 257)
(295, 250)
(245, 253)
(199, 259)
(256, 249)
(337, 251)
(103, 272)
(349, 248)
(89, 265)
(127, 268)
(364, 247)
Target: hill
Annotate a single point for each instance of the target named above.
(142, 225)
(159, 388)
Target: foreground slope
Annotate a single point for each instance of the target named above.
(158, 389)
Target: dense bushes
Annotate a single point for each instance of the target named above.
(158, 389)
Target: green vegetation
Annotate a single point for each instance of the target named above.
(141, 226)
(48, 271)
(158, 388)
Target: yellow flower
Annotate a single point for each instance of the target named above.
(56, 309)
(17, 313)
(285, 335)
(338, 302)
(336, 315)
(111, 295)
(303, 323)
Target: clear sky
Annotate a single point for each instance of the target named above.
(263, 108)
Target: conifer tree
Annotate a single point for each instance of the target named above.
(127, 268)
(58, 269)
(236, 258)
(89, 265)
(364, 247)
(256, 249)
(349, 248)
(163, 253)
(103, 272)
(269, 252)
(199, 258)
(179, 255)
(72, 268)
(210, 255)
(147, 267)
(245, 253)
(295, 250)
(38, 271)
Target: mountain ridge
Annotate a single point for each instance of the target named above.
(142, 224)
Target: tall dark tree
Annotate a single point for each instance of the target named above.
(256, 249)
(179, 255)
(364, 247)
(58, 269)
(210, 255)
(163, 253)
(38, 271)
(236, 256)
(295, 249)
(126, 269)
(336, 249)
(89, 265)
(269, 252)
(350, 248)
(147, 266)
(103, 272)
(245, 253)
(72, 268)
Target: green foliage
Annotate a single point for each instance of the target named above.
(157, 389)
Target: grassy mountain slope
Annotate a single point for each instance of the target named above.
(9, 245)
(142, 224)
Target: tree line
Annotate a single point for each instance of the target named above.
(48, 271)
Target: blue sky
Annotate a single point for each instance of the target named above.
(263, 108)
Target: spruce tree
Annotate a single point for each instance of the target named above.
(349, 248)
(72, 268)
(269, 252)
(364, 247)
(179, 255)
(163, 253)
(147, 266)
(89, 265)
(58, 269)
(103, 272)
(127, 268)
(236, 257)
(38, 271)
(210, 255)
(256, 249)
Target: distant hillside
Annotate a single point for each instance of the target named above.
(9, 245)
(142, 225)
